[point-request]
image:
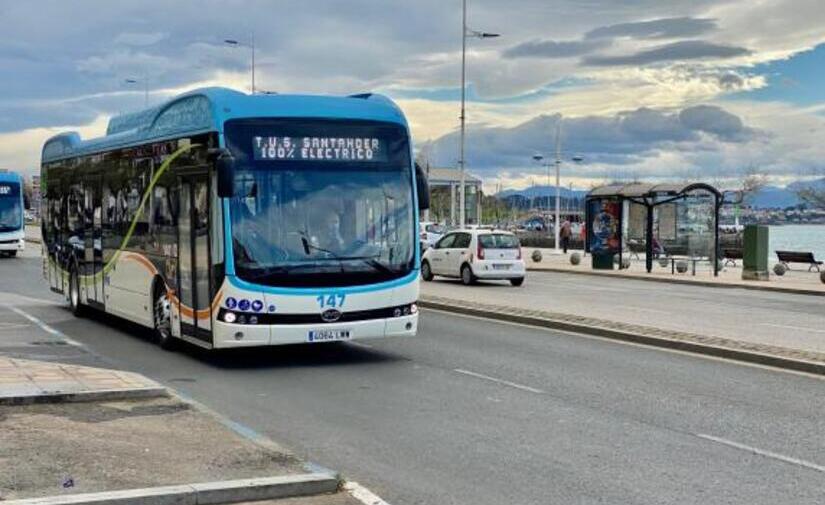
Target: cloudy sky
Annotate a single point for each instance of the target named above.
(640, 88)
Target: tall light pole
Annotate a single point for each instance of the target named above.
(465, 34)
(251, 46)
(539, 158)
(145, 88)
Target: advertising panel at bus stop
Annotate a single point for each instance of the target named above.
(605, 231)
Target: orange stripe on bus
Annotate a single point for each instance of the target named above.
(184, 309)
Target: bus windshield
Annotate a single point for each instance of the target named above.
(325, 217)
(11, 210)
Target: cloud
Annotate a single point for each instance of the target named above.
(664, 28)
(139, 39)
(714, 120)
(554, 49)
(622, 139)
(676, 51)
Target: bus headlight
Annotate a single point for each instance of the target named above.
(414, 309)
(229, 317)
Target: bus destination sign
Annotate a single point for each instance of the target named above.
(325, 149)
(8, 190)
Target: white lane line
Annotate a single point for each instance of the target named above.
(787, 327)
(363, 494)
(12, 326)
(45, 327)
(767, 454)
(499, 381)
(641, 309)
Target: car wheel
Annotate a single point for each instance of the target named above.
(74, 294)
(163, 321)
(467, 276)
(517, 282)
(426, 272)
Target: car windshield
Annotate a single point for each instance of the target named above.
(498, 241)
(321, 223)
(434, 228)
(11, 212)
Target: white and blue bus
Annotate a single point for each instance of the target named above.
(226, 220)
(12, 231)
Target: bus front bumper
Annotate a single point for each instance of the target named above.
(12, 245)
(246, 335)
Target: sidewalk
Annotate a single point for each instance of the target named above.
(75, 430)
(798, 281)
(27, 381)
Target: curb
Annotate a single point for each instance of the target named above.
(84, 396)
(697, 344)
(686, 282)
(205, 493)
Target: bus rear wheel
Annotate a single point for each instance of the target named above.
(74, 294)
(163, 321)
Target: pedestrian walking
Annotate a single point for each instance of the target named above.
(565, 232)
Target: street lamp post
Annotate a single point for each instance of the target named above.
(251, 46)
(465, 33)
(145, 88)
(539, 158)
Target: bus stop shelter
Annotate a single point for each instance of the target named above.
(685, 216)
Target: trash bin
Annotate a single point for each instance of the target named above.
(755, 253)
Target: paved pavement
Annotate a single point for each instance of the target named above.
(23, 380)
(758, 317)
(478, 412)
(798, 279)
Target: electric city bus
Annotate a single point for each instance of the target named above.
(226, 220)
(12, 228)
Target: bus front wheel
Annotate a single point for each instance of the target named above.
(163, 324)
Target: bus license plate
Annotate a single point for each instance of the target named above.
(501, 266)
(328, 335)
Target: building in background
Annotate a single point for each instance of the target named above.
(35, 198)
(444, 195)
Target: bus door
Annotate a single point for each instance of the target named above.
(94, 241)
(193, 258)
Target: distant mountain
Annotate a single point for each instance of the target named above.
(773, 197)
(542, 191)
(769, 197)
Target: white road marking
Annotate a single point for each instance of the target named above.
(787, 327)
(499, 381)
(363, 494)
(45, 327)
(12, 326)
(642, 309)
(767, 454)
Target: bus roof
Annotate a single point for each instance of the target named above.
(11, 177)
(204, 110)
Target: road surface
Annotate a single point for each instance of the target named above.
(481, 413)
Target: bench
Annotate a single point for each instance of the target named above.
(786, 257)
(731, 255)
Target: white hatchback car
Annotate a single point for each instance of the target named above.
(475, 254)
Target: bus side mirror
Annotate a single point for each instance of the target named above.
(225, 168)
(422, 187)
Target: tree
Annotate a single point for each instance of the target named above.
(814, 194)
(814, 197)
(753, 182)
